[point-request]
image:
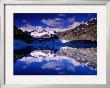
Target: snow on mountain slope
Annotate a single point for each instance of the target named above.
(36, 34)
(37, 31)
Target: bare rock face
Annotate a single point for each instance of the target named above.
(86, 31)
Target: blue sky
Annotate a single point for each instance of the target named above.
(51, 20)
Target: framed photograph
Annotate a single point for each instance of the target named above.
(55, 42)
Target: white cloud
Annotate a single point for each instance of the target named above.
(61, 15)
(24, 21)
(56, 22)
(71, 68)
(83, 22)
(71, 20)
(30, 28)
(58, 19)
(53, 65)
(55, 29)
(27, 28)
(75, 24)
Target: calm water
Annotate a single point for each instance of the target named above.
(55, 58)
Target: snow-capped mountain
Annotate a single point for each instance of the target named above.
(37, 31)
(79, 31)
(41, 33)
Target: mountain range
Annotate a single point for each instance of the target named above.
(86, 31)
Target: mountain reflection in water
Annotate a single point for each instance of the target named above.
(60, 60)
